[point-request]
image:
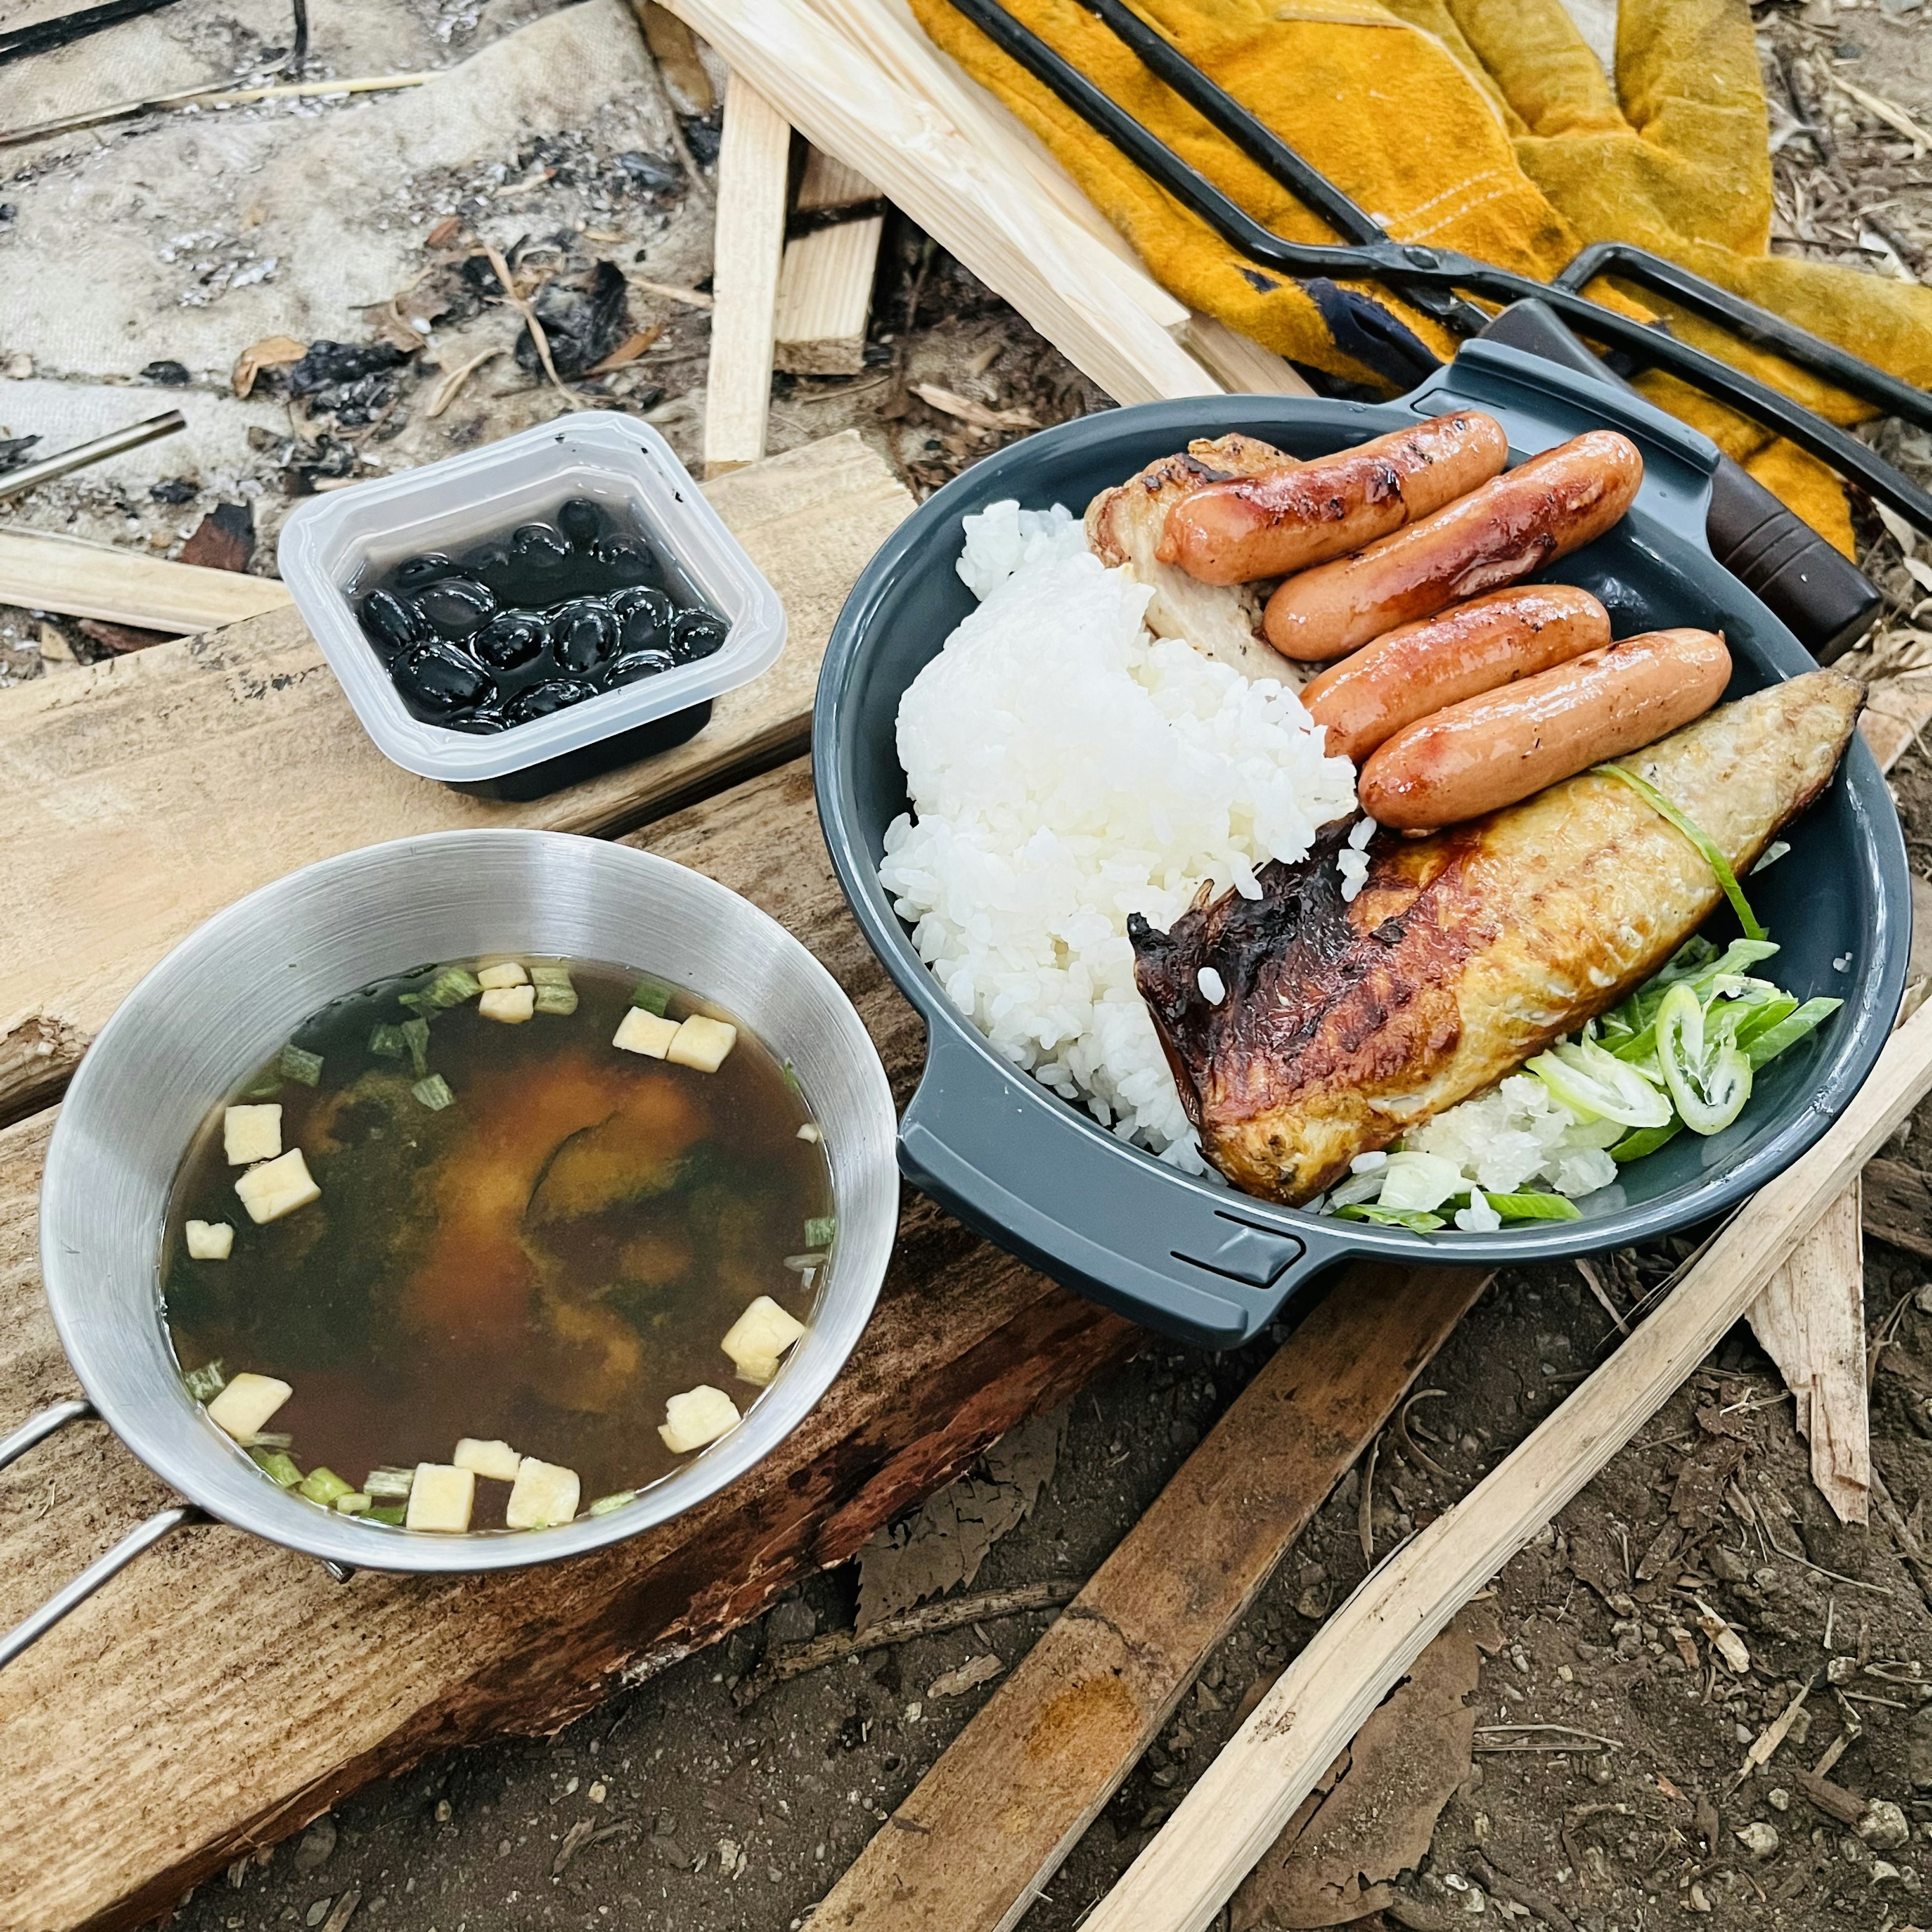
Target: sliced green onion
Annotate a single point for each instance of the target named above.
(354, 1504)
(323, 1485)
(549, 975)
(434, 1093)
(277, 1465)
(388, 1482)
(265, 1089)
(604, 1505)
(1416, 1182)
(1788, 1031)
(416, 1038)
(1709, 1080)
(653, 995)
(1719, 865)
(791, 1079)
(389, 1513)
(1534, 1207)
(451, 986)
(270, 1438)
(555, 999)
(1411, 1218)
(820, 1229)
(1596, 1084)
(1646, 1140)
(387, 1042)
(1702, 979)
(204, 1383)
(297, 1063)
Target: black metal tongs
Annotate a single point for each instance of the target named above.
(1437, 280)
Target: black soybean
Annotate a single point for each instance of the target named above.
(419, 571)
(696, 634)
(392, 623)
(646, 620)
(581, 521)
(538, 546)
(554, 693)
(510, 640)
(583, 634)
(435, 680)
(627, 560)
(486, 718)
(457, 605)
(634, 665)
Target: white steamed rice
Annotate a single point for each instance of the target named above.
(1066, 769)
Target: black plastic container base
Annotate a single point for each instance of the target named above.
(588, 761)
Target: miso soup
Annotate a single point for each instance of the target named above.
(532, 1207)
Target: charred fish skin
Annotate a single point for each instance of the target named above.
(1342, 1025)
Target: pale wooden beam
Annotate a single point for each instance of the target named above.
(1239, 1806)
(44, 571)
(754, 167)
(1810, 1321)
(825, 285)
(1239, 363)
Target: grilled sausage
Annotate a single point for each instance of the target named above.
(1515, 523)
(1489, 752)
(1470, 648)
(1251, 526)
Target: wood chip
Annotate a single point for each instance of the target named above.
(272, 352)
(974, 1672)
(1833, 1800)
(573, 1841)
(1724, 1640)
(445, 232)
(345, 1910)
(671, 292)
(628, 351)
(968, 411)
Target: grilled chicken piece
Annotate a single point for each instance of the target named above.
(1342, 1025)
(1125, 525)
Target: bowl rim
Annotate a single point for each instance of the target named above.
(1872, 1001)
(87, 1341)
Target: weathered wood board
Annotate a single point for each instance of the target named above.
(146, 793)
(223, 1690)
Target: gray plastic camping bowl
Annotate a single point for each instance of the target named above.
(218, 1006)
(1195, 1259)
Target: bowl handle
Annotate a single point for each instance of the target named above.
(143, 1537)
(1204, 1267)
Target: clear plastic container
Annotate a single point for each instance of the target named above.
(334, 546)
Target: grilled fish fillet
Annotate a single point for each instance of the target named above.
(1125, 525)
(1344, 1024)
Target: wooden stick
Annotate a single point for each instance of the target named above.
(987, 1826)
(1239, 1806)
(204, 97)
(1810, 1321)
(44, 572)
(839, 96)
(754, 169)
(825, 284)
(1242, 365)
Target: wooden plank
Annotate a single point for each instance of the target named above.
(223, 1691)
(44, 571)
(1239, 363)
(679, 67)
(985, 1829)
(825, 282)
(1239, 1804)
(1810, 1321)
(753, 175)
(833, 90)
(145, 793)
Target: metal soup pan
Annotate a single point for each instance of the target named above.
(222, 1000)
(1197, 1260)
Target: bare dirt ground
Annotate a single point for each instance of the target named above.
(679, 1804)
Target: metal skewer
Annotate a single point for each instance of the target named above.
(17, 482)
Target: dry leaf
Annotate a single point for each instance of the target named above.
(626, 352)
(272, 352)
(968, 411)
(450, 386)
(1900, 531)
(1889, 111)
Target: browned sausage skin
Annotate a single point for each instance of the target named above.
(1489, 752)
(1470, 648)
(1251, 526)
(1497, 535)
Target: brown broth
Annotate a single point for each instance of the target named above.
(547, 1260)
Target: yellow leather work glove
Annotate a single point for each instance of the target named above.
(1485, 126)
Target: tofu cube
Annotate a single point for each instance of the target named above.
(703, 1043)
(545, 1494)
(509, 973)
(250, 1134)
(759, 1336)
(277, 1187)
(698, 1416)
(512, 1005)
(641, 1032)
(495, 1459)
(209, 1241)
(248, 1401)
(440, 1498)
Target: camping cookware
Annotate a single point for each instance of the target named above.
(1195, 1259)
